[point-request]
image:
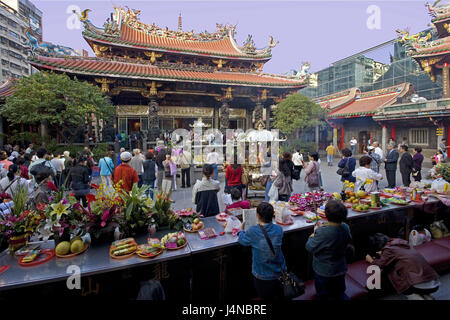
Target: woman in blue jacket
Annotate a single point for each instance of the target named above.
(328, 245)
(265, 266)
(106, 166)
(350, 162)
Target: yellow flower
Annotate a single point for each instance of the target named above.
(59, 209)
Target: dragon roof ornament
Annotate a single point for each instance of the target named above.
(438, 11)
(45, 48)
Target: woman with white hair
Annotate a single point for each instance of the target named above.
(137, 163)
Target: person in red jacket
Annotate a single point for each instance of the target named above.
(233, 175)
(125, 173)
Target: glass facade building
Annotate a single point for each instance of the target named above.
(381, 67)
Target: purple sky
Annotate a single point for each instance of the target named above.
(317, 31)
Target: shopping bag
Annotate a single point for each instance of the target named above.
(226, 197)
(273, 193)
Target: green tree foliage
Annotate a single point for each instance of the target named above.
(56, 101)
(297, 113)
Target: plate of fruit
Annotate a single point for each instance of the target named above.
(148, 251)
(221, 217)
(399, 202)
(194, 226)
(360, 207)
(66, 249)
(123, 249)
(174, 241)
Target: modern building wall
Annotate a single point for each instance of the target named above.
(13, 52)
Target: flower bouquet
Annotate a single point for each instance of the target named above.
(19, 220)
(310, 201)
(62, 220)
(164, 216)
(101, 213)
(136, 212)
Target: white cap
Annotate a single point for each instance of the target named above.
(125, 156)
(370, 147)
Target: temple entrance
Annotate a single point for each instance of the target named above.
(134, 125)
(363, 139)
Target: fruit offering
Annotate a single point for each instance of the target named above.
(360, 207)
(70, 249)
(222, 217)
(123, 248)
(174, 240)
(399, 201)
(148, 251)
(195, 226)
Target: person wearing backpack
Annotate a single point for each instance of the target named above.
(347, 166)
(41, 163)
(312, 172)
(328, 244)
(106, 166)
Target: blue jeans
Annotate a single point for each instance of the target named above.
(330, 288)
(151, 186)
(214, 165)
(329, 158)
(353, 150)
(266, 194)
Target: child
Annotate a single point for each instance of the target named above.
(407, 269)
(236, 196)
(331, 151)
(328, 244)
(265, 266)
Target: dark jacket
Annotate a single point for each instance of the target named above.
(351, 167)
(149, 171)
(160, 158)
(406, 266)
(417, 161)
(80, 178)
(287, 167)
(391, 160)
(328, 247)
(207, 203)
(406, 163)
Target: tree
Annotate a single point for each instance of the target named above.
(297, 113)
(56, 101)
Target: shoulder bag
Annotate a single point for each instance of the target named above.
(345, 171)
(292, 285)
(244, 177)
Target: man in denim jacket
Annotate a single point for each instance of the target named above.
(265, 266)
(328, 245)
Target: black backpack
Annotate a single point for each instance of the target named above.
(39, 167)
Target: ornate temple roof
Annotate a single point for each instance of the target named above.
(115, 69)
(124, 29)
(368, 103)
(338, 99)
(7, 88)
(433, 48)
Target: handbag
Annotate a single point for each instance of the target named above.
(244, 177)
(345, 171)
(313, 178)
(292, 285)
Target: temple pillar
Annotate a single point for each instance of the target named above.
(393, 132)
(445, 80)
(259, 111)
(342, 137)
(335, 133)
(268, 114)
(224, 118)
(250, 118)
(153, 120)
(384, 138)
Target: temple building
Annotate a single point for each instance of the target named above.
(161, 80)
